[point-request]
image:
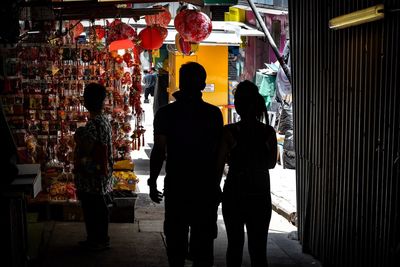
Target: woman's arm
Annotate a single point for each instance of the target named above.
(272, 146)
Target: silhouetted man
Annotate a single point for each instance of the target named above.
(186, 134)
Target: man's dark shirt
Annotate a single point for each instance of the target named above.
(192, 128)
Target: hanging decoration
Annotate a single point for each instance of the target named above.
(185, 47)
(151, 38)
(100, 32)
(193, 25)
(120, 31)
(162, 19)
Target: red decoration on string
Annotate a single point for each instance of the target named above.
(193, 25)
(100, 31)
(77, 29)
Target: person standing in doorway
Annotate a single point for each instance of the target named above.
(250, 149)
(186, 135)
(149, 83)
(93, 167)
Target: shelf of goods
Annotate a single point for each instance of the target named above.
(42, 100)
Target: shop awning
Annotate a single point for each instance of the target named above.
(224, 32)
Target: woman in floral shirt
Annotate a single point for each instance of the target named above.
(93, 168)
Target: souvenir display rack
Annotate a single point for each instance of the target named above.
(42, 100)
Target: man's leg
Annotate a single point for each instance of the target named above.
(203, 231)
(176, 233)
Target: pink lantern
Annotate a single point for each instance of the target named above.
(120, 31)
(192, 25)
(162, 19)
(151, 38)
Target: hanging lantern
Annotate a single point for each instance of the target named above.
(150, 38)
(121, 44)
(185, 47)
(162, 19)
(119, 31)
(193, 25)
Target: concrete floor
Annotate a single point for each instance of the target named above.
(141, 243)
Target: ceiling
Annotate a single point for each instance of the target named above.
(95, 9)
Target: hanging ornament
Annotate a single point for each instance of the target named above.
(119, 59)
(127, 57)
(162, 19)
(77, 29)
(151, 38)
(114, 53)
(193, 25)
(185, 47)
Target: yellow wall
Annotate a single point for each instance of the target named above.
(215, 60)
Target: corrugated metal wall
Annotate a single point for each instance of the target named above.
(347, 133)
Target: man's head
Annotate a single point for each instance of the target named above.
(192, 77)
(94, 96)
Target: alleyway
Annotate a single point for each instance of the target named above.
(142, 243)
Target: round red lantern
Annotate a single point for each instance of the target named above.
(151, 38)
(163, 18)
(193, 25)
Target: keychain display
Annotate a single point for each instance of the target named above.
(44, 102)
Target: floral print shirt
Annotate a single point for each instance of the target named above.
(96, 129)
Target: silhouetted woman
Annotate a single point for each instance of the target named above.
(250, 149)
(93, 168)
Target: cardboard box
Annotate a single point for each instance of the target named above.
(29, 179)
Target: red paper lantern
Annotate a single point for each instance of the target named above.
(193, 25)
(151, 38)
(162, 19)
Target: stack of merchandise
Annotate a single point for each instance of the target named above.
(125, 178)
